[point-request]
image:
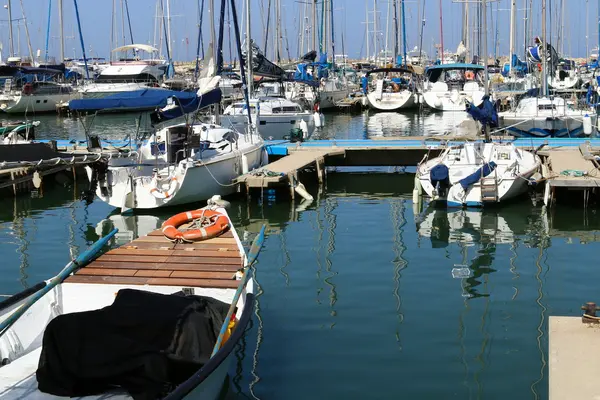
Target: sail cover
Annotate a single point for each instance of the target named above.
(145, 343)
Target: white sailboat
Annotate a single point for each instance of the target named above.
(477, 173)
(448, 87)
(394, 89)
(544, 117)
(179, 164)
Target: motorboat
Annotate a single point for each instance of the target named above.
(277, 117)
(477, 173)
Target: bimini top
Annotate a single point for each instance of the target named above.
(144, 47)
(456, 66)
(396, 69)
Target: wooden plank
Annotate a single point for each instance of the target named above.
(189, 252)
(106, 272)
(204, 260)
(165, 266)
(202, 275)
(207, 283)
(153, 273)
(180, 246)
(134, 280)
(158, 232)
(139, 252)
(121, 280)
(133, 259)
(162, 239)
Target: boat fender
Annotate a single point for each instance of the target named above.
(161, 194)
(304, 127)
(245, 167)
(219, 223)
(587, 125)
(317, 119)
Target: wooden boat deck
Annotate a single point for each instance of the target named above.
(154, 260)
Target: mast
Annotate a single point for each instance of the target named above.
(511, 46)
(387, 28)
(441, 34)
(249, 54)
(48, 31)
(10, 30)
(26, 31)
(486, 78)
(169, 23)
(421, 34)
(367, 25)
(314, 25)
(396, 32)
(545, 51)
(211, 16)
(404, 45)
(375, 29)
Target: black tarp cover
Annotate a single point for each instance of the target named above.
(144, 343)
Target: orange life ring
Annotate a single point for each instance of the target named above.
(219, 224)
(469, 75)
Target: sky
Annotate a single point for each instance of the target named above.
(581, 16)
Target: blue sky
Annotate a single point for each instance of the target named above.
(349, 18)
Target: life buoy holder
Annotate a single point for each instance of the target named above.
(164, 194)
(219, 223)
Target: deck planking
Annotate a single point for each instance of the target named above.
(154, 260)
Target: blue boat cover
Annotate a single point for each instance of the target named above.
(477, 175)
(438, 173)
(143, 99)
(186, 105)
(485, 113)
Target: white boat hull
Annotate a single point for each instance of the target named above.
(271, 126)
(392, 101)
(197, 182)
(36, 103)
(451, 100)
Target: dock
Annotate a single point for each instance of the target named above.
(154, 260)
(573, 366)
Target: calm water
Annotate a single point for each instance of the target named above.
(361, 294)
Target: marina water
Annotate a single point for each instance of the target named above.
(362, 295)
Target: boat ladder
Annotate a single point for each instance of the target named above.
(489, 189)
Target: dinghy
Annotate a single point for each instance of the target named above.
(121, 327)
(477, 173)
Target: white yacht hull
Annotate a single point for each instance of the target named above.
(392, 101)
(271, 126)
(542, 126)
(510, 178)
(197, 181)
(35, 103)
(450, 100)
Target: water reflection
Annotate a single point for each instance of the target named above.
(398, 209)
(389, 124)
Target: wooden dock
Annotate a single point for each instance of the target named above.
(573, 366)
(572, 168)
(287, 168)
(154, 260)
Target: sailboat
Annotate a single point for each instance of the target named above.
(394, 90)
(183, 163)
(448, 87)
(476, 173)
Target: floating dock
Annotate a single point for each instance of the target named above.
(155, 260)
(573, 366)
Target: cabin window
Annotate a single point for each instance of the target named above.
(45, 101)
(292, 122)
(37, 101)
(137, 78)
(547, 107)
(263, 122)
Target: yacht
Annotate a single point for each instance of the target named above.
(128, 74)
(448, 87)
(393, 89)
(543, 117)
(477, 173)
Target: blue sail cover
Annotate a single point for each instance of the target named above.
(477, 175)
(137, 100)
(485, 113)
(186, 106)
